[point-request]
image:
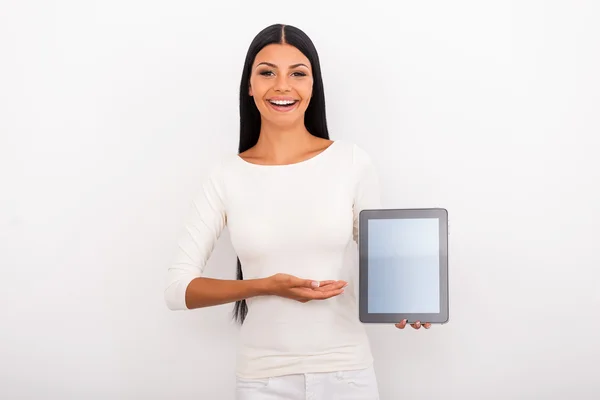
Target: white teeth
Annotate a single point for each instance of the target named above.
(282, 102)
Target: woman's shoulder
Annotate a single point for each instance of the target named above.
(353, 152)
(221, 166)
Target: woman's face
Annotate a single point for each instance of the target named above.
(281, 83)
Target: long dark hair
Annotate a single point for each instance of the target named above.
(315, 120)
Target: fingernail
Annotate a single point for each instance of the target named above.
(315, 284)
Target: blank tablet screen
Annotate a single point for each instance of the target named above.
(404, 265)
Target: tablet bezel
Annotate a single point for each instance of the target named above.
(363, 245)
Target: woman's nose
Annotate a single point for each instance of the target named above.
(282, 84)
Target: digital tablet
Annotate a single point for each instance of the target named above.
(403, 265)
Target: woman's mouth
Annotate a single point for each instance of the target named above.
(283, 105)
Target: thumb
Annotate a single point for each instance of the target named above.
(309, 283)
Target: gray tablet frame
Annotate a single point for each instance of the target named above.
(363, 245)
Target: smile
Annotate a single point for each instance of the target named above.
(283, 105)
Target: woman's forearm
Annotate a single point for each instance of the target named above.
(207, 292)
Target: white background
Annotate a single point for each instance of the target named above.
(111, 112)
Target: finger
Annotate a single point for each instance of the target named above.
(308, 294)
(332, 285)
(416, 325)
(325, 283)
(401, 325)
(427, 325)
(321, 295)
(307, 283)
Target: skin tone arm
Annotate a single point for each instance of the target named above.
(207, 292)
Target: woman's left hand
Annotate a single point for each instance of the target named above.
(416, 325)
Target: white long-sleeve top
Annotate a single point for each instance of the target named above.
(297, 219)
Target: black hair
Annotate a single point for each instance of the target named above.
(315, 120)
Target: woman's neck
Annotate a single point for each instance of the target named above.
(283, 143)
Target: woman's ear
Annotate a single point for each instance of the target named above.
(250, 90)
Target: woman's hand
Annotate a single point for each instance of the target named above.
(416, 325)
(303, 290)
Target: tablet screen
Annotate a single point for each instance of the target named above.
(404, 265)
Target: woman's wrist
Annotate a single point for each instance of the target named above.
(259, 287)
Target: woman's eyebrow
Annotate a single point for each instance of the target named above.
(275, 66)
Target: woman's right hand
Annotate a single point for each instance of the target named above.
(303, 290)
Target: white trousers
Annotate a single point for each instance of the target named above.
(342, 385)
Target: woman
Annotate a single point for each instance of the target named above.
(290, 198)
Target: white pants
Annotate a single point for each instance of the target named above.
(342, 385)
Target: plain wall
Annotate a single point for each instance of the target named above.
(111, 113)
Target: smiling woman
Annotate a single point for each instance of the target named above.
(291, 198)
(281, 63)
(282, 85)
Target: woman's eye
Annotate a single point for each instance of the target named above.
(270, 73)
